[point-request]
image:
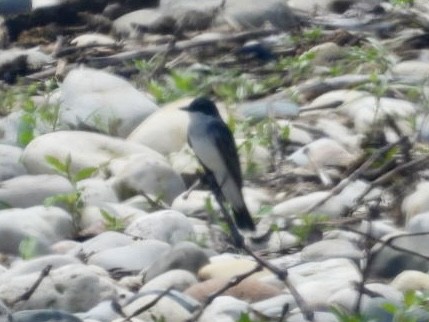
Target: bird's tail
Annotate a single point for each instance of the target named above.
(243, 219)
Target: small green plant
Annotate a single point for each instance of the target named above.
(72, 201)
(404, 3)
(344, 316)
(28, 248)
(413, 300)
(298, 67)
(32, 115)
(112, 222)
(310, 224)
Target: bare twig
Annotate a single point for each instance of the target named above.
(231, 283)
(26, 296)
(148, 305)
(355, 175)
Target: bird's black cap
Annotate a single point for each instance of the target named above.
(202, 105)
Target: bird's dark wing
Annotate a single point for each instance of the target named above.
(224, 141)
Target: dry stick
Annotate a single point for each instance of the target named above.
(148, 306)
(355, 174)
(26, 296)
(231, 283)
(388, 241)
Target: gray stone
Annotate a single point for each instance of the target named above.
(317, 281)
(273, 307)
(95, 99)
(331, 248)
(389, 262)
(73, 288)
(267, 108)
(93, 217)
(249, 14)
(164, 130)
(131, 258)
(178, 279)
(84, 148)
(224, 308)
(95, 191)
(45, 225)
(102, 312)
(32, 190)
(36, 265)
(166, 225)
(43, 316)
(10, 165)
(148, 18)
(137, 173)
(101, 242)
(185, 256)
(173, 307)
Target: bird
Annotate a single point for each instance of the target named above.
(214, 146)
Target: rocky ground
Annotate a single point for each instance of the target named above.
(328, 102)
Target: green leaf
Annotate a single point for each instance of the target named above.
(84, 173)
(56, 164)
(285, 132)
(26, 129)
(390, 308)
(27, 248)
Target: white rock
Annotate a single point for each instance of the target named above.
(48, 224)
(339, 96)
(173, 308)
(224, 308)
(101, 242)
(331, 248)
(411, 70)
(10, 165)
(320, 153)
(32, 190)
(411, 281)
(93, 217)
(333, 207)
(166, 225)
(165, 130)
(84, 148)
(340, 133)
(92, 39)
(416, 202)
(95, 191)
(366, 110)
(153, 176)
(96, 99)
(326, 53)
(124, 24)
(73, 288)
(317, 281)
(249, 14)
(36, 265)
(132, 258)
(178, 279)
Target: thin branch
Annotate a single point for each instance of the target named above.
(231, 283)
(148, 305)
(27, 295)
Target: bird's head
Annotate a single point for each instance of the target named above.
(202, 105)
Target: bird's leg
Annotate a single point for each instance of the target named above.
(191, 188)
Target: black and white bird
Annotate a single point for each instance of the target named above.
(214, 145)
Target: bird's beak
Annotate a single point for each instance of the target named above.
(186, 108)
